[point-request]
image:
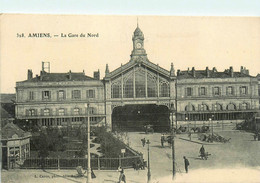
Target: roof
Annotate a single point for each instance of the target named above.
(57, 77)
(11, 129)
(7, 97)
(187, 74)
(5, 114)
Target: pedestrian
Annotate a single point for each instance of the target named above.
(202, 152)
(143, 141)
(189, 135)
(186, 163)
(122, 175)
(162, 140)
(93, 176)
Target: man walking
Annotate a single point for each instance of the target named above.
(162, 140)
(202, 152)
(143, 141)
(186, 163)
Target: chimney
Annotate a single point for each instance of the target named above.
(207, 72)
(246, 71)
(242, 70)
(29, 74)
(69, 75)
(41, 75)
(97, 75)
(193, 72)
(178, 72)
(231, 71)
(42, 66)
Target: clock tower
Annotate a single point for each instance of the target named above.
(138, 52)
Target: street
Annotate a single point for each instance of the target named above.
(236, 161)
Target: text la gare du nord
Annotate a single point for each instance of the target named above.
(62, 35)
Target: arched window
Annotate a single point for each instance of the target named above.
(116, 91)
(231, 107)
(217, 107)
(189, 108)
(244, 106)
(139, 84)
(164, 90)
(128, 88)
(151, 86)
(204, 107)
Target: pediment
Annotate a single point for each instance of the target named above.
(140, 61)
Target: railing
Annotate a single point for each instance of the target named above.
(72, 163)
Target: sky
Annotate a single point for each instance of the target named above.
(186, 41)
(186, 33)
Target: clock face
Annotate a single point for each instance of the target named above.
(138, 45)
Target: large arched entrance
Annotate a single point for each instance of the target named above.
(135, 117)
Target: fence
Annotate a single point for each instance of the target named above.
(72, 163)
(218, 125)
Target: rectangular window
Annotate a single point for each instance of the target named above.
(31, 95)
(76, 94)
(32, 112)
(46, 112)
(189, 91)
(61, 112)
(61, 94)
(243, 90)
(76, 111)
(46, 94)
(91, 110)
(90, 93)
(216, 91)
(230, 90)
(202, 91)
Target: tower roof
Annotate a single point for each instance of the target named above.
(138, 32)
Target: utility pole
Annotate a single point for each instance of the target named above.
(173, 150)
(149, 169)
(89, 167)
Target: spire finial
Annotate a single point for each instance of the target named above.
(137, 22)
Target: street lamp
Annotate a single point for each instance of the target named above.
(186, 119)
(211, 125)
(89, 167)
(149, 171)
(172, 140)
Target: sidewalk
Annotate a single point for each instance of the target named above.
(61, 176)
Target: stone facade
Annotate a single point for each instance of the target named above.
(62, 98)
(224, 95)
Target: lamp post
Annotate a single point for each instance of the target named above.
(149, 170)
(211, 125)
(186, 119)
(89, 167)
(172, 141)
